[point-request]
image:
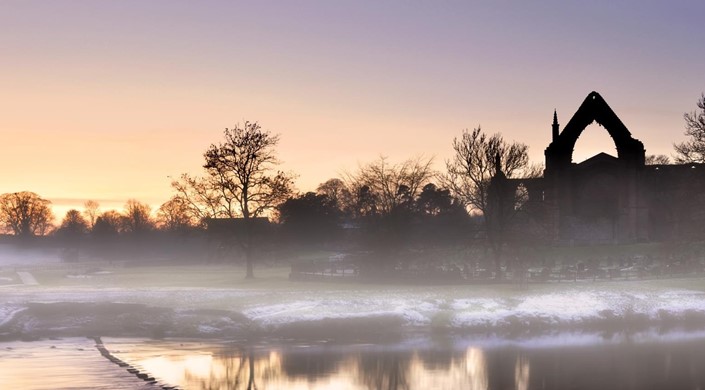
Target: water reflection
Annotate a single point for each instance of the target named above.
(624, 365)
(521, 373)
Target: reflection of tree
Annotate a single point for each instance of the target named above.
(521, 373)
(251, 381)
(240, 369)
(233, 370)
(311, 366)
(384, 371)
(246, 369)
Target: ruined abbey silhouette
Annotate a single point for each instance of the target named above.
(606, 199)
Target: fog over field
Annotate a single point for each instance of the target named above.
(163, 301)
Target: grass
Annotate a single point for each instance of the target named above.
(223, 287)
(204, 276)
(220, 276)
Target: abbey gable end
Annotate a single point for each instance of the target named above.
(606, 199)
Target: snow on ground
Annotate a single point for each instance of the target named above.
(8, 311)
(569, 307)
(451, 307)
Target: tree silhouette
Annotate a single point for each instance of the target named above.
(72, 230)
(137, 217)
(382, 203)
(241, 180)
(472, 166)
(657, 159)
(90, 212)
(73, 224)
(107, 224)
(478, 160)
(309, 217)
(693, 150)
(433, 200)
(25, 214)
(204, 197)
(337, 193)
(243, 166)
(389, 185)
(175, 214)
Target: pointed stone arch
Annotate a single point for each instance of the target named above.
(559, 153)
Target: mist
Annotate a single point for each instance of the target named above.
(497, 273)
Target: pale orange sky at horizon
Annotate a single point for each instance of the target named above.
(106, 100)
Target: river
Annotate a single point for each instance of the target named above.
(645, 360)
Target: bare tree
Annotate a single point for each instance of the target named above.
(107, 224)
(241, 180)
(390, 185)
(72, 230)
(657, 159)
(73, 223)
(693, 150)
(469, 171)
(137, 217)
(477, 160)
(243, 167)
(90, 211)
(175, 214)
(337, 192)
(202, 195)
(25, 213)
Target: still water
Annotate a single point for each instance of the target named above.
(642, 361)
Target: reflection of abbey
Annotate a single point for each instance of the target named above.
(606, 199)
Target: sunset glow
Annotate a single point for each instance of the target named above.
(107, 100)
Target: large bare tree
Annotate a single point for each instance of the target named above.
(244, 168)
(241, 180)
(476, 160)
(25, 213)
(693, 150)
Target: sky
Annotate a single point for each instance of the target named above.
(107, 100)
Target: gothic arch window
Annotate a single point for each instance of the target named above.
(593, 140)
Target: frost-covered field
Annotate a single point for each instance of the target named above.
(271, 304)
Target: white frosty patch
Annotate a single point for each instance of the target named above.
(571, 307)
(206, 329)
(8, 312)
(452, 306)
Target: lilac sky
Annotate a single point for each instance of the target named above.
(105, 100)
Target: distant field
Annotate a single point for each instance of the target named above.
(274, 279)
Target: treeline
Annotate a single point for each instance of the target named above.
(385, 208)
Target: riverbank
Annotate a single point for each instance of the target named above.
(364, 314)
